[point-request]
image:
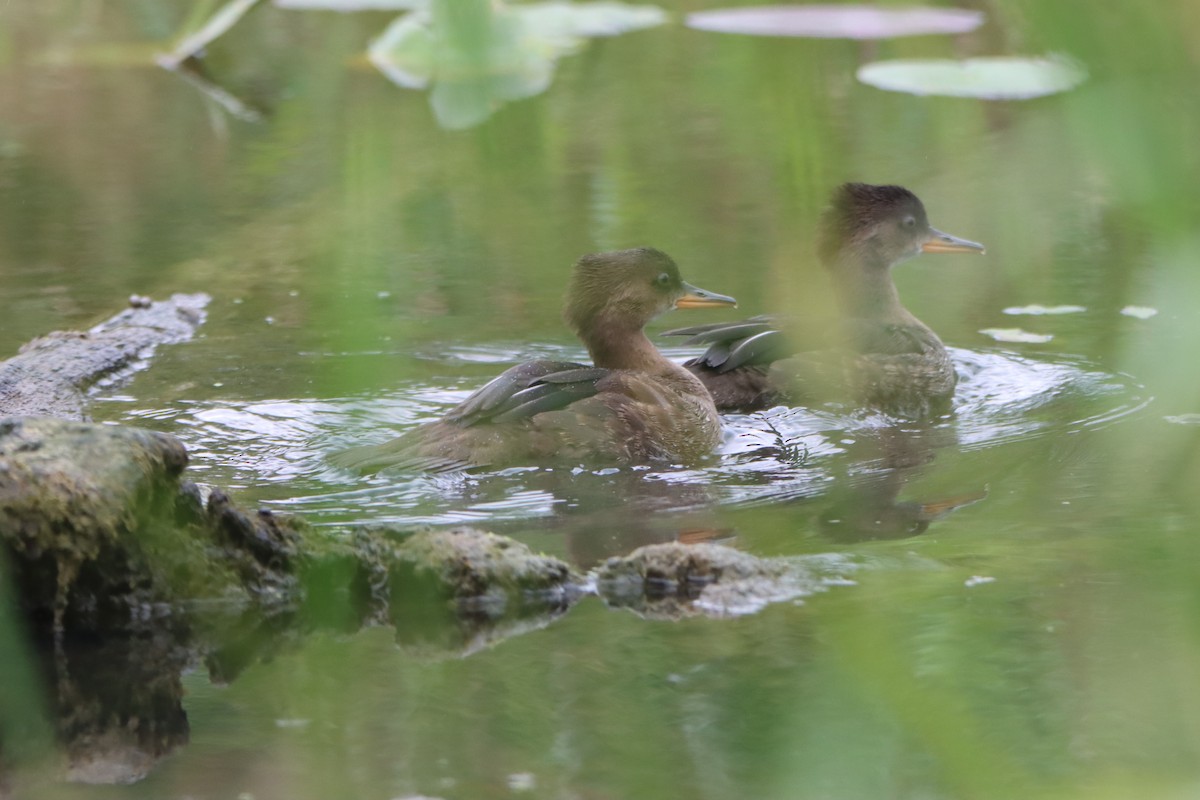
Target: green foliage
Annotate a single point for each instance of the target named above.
(24, 732)
(478, 56)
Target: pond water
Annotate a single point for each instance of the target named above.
(1016, 611)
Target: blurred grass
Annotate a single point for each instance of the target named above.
(25, 733)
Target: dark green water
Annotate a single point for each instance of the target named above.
(369, 267)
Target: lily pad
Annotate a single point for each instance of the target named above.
(508, 55)
(404, 52)
(836, 22)
(1040, 310)
(994, 78)
(1139, 312)
(588, 20)
(352, 5)
(1016, 336)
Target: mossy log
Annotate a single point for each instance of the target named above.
(120, 567)
(123, 573)
(51, 375)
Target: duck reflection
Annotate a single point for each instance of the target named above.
(865, 503)
(596, 535)
(612, 512)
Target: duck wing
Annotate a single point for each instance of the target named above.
(722, 331)
(463, 439)
(528, 389)
(757, 342)
(751, 342)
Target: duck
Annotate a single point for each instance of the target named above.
(630, 406)
(877, 354)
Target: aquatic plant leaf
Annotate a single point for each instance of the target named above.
(226, 17)
(836, 22)
(404, 52)
(469, 87)
(996, 78)
(353, 5)
(1016, 336)
(1139, 312)
(520, 48)
(589, 20)
(1040, 310)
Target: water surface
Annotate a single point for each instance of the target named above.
(1017, 613)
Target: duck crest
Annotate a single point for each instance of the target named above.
(855, 209)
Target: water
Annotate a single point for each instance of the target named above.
(276, 450)
(1015, 606)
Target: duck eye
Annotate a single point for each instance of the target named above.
(663, 279)
(909, 222)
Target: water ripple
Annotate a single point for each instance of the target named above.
(274, 450)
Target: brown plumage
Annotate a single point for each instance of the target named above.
(631, 406)
(882, 356)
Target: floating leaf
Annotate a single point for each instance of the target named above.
(1140, 312)
(507, 54)
(998, 78)
(589, 20)
(836, 22)
(353, 5)
(404, 52)
(1016, 335)
(1184, 419)
(1039, 310)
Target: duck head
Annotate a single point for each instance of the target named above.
(623, 290)
(880, 226)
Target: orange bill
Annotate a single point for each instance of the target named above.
(945, 243)
(701, 298)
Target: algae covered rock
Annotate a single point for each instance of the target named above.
(71, 494)
(462, 588)
(122, 574)
(471, 565)
(73, 499)
(674, 580)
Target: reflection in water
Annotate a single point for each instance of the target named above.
(474, 55)
(117, 704)
(196, 73)
(614, 512)
(866, 506)
(478, 55)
